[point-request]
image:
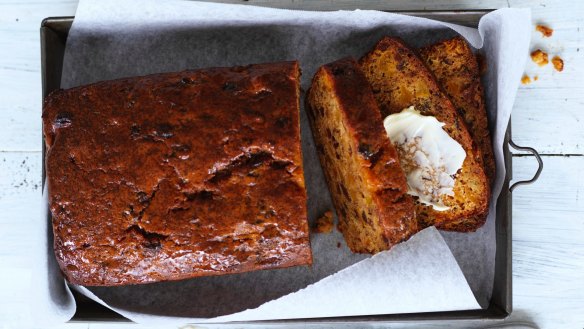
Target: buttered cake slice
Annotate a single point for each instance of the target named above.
(400, 80)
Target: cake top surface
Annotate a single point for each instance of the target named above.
(176, 175)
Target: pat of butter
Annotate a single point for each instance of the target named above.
(428, 155)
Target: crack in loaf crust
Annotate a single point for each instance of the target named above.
(177, 175)
(400, 79)
(361, 166)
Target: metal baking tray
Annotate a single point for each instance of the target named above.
(54, 31)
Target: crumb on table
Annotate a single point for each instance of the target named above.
(545, 31)
(525, 79)
(324, 224)
(535, 78)
(539, 57)
(558, 63)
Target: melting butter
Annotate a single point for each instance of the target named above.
(428, 155)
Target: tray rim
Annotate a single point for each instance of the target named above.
(55, 29)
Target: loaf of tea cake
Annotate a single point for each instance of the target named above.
(177, 175)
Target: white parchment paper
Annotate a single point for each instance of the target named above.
(431, 272)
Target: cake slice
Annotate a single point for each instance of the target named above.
(361, 166)
(456, 68)
(399, 80)
(177, 175)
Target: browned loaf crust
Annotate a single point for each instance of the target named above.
(177, 175)
(457, 70)
(399, 79)
(361, 166)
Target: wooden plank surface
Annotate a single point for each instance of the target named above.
(548, 217)
(20, 67)
(20, 211)
(549, 113)
(548, 243)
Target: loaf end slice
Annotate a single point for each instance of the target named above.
(456, 68)
(400, 79)
(361, 166)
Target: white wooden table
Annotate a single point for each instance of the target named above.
(548, 217)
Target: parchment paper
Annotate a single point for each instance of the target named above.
(112, 39)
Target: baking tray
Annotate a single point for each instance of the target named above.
(54, 31)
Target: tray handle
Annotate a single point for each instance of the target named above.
(539, 168)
